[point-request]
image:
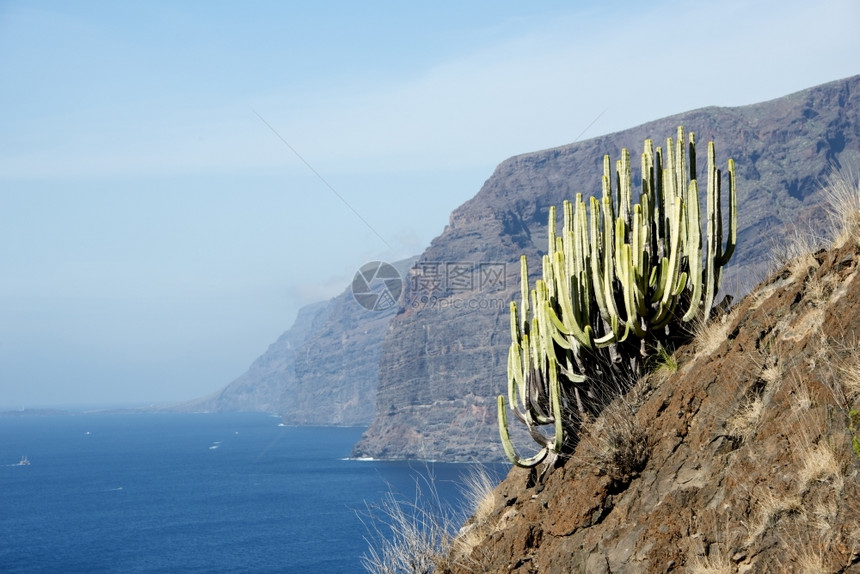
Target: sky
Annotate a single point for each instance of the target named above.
(178, 178)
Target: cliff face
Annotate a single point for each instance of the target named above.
(745, 459)
(336, 367)
(269, 383)
(322, 371)
(444, 356)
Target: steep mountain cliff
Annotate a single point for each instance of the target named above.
(269, 383)
(336, 367)
(741, 455)
(444, 355)
(302, 378)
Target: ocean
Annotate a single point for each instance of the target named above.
(196, 493)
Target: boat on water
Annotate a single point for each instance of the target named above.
(23, 462)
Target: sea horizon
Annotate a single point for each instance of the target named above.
(205, 492)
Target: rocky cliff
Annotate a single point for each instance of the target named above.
(444, 355)
(336, 367)
(741, 455)
(269, 383)
(322, 371)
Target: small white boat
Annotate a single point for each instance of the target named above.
(23, 462)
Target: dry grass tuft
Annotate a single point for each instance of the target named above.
(819, 463)
(842, 198)
(769, 509)
(772, 373)
(804, 559)
(421, 536)
(812, 562)
(708, 336)
(718, 564)
(615, 443)
(818, 460)
(796, 253)
(812, 443)
(409, 538)
(816, 290)
(802, 397)
(823, 515)
(711, 552)
(743, 423)
(804, 553)
(479, 493)
(840, 368)
(849, 379)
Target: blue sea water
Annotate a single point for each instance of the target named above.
(193, 493)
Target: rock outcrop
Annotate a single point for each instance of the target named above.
(444, 356)
(746, 458)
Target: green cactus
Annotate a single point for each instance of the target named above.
(618, 281)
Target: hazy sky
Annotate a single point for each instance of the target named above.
(156, 235)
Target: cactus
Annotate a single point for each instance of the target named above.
(619, 280)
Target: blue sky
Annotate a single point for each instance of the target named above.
(156, 236)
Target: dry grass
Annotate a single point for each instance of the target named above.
(842, 198)
(849, 380)
(769, 508)
(820, 463)
(823, 514)
(802, 397)
(806, 560)
(408, 537)
(419, 536)
(708, 336)
(816, 290)
(805, 552)
(718, 564)
(615, 443)
(743, 423)
(812, 562)
(795, 252)
(813, 449)
(840, 362)
(804, 512)
(772, 372)
(710, 552)
(710, 558)
(479, 493)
